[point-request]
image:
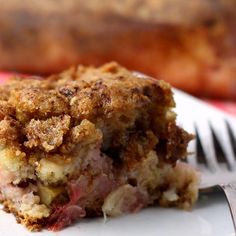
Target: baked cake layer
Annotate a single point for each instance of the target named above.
(90, 141)
(194, 51)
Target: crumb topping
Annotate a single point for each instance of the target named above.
(46, 114)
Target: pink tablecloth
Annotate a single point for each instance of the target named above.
(4, 77)
(229, 107)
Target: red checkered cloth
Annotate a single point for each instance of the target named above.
(229, 107)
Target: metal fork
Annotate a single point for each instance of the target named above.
(214, 158)
(213, 150)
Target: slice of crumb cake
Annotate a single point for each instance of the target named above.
(90, 141)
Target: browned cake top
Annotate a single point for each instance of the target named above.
(51, 115)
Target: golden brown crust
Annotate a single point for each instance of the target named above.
(37, 102)
(9, 131)
(48, 139)
(110, 97)
(5, 109)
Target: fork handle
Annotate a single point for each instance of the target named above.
(230, 193)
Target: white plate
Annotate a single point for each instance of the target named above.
(209, 217)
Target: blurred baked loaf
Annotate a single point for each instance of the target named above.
(190, 44)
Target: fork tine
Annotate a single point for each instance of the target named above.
(220, 130)
(206, 139)
(232, 126)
